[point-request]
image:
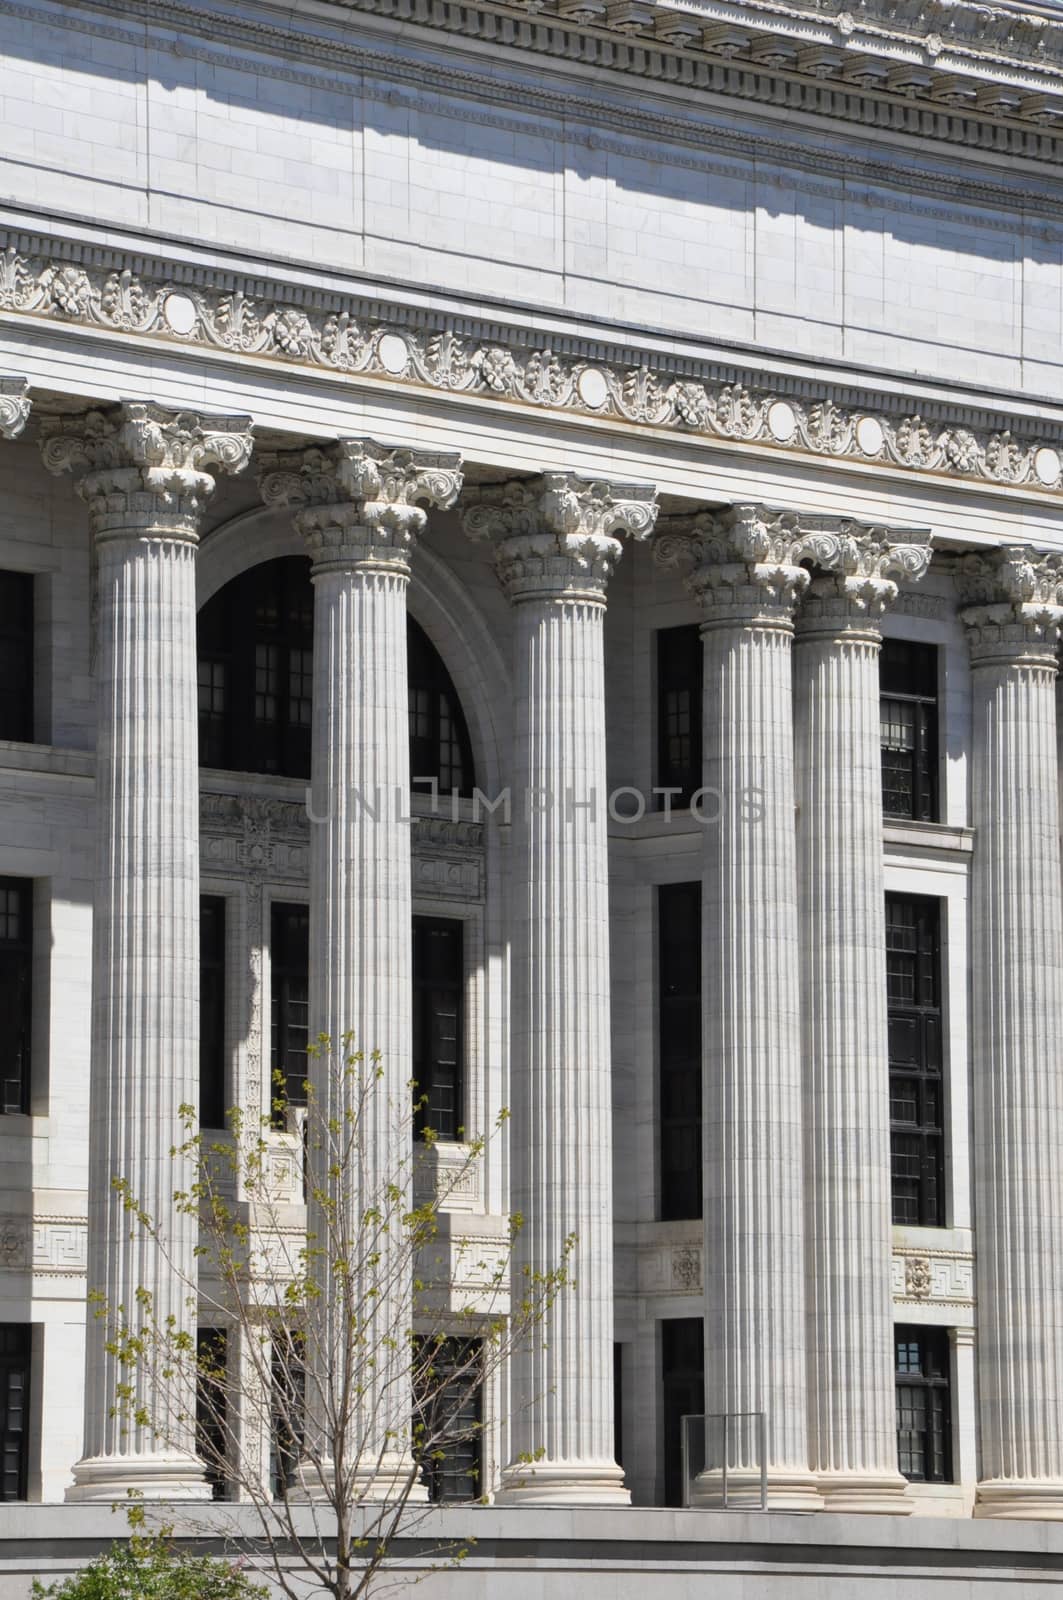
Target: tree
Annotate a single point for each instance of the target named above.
(335, 1377)
(150, 1569)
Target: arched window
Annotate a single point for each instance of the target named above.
(256, 638)
(439, 738)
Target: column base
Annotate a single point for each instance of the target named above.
(563, 1483)
(865, 1494)
(1025, 1501)
(383, 1480)
(785, 1490)
(108, 1478)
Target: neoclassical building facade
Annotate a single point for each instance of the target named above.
(531, 533)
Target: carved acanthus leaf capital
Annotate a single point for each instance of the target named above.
(1014, 604)
(745, 563)
(555, 536)
(860, 567)
(14, 406)
(358, 500)
(142, 467)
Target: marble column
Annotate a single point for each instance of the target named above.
(748, 578)
(143, 477)
(852, 1408)
(359, 507)
(556, 545)
(1013, 617)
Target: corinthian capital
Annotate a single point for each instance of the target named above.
(358, 500)
(14, 406)
(142, 467)
(556, 536)
(745, 563)
(754, 561)
(858, 569)
(1014, 603)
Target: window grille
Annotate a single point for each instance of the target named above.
(924, 1404)
(679, 1048)
(679, 694)
(16, 991)
(212, 1043)
(438, 1024)
(908, 713)
(16, 656)
(917, 1109)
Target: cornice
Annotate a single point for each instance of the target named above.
(986, 77)
(350, 336)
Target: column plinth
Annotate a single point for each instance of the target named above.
(1013, 627)
(852, 1406)
(748, 579)
(144, 481)
(358, 506)
(556, 546)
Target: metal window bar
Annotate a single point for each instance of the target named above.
(735, 1429)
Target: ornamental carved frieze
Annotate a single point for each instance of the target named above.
(355, 337)
(939, 1277)
(261, 840)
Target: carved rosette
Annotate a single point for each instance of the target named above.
(556, 536)
(1014, 605)
(142, 467)
(360, 502)
(14, 406)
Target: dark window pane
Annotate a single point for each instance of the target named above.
(908, 723)
(448, 1418)
(438, 1032)
(439, 737)
(924, 1405)
(913, 997)
(211, 1412)
(682, 1393)
(679, 691)
(212, 1051)
(289, 1000)
(256, 668)
(16, 992)
(679, 1048)
(16, 656)
(15, 1344)
(255, 643)
(287, 1409)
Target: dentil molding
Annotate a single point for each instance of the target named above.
(983, 76)
(262, 320)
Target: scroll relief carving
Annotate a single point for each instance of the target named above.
(351, 336)
(14, 406)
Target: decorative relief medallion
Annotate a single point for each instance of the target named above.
(351, 336)
(686, 1270)
(14, 1241)
(917, 1277)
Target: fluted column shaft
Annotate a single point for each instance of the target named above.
(554, 555)
(1017, 1024)
(145, 494)
(754, 1227)
(852, 1406)
(355, 505)
(561, 1091)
